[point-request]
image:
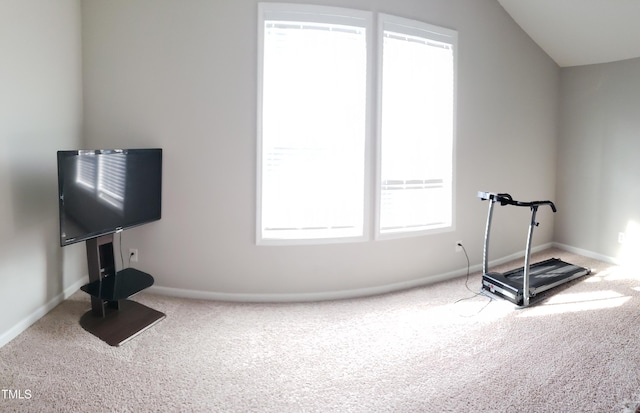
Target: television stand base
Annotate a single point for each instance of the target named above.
(121, 325)
(113, 318)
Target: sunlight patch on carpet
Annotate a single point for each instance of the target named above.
(575, 302)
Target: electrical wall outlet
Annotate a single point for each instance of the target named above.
(133, 255)
(458, 246)
(621, 237)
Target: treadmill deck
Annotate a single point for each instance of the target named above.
(543, 276)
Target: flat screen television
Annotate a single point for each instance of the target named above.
(105, 191)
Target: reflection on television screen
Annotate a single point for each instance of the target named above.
(104, 191)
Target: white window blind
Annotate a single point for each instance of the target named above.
(312, 124)
(315, 91)
(416, 126)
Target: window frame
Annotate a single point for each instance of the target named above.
(374, 25)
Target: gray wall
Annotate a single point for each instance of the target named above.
(598, 149)
(181, 75)
(40, 112)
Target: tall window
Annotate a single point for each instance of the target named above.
(315, 111)
(313, 122)
(416, 126)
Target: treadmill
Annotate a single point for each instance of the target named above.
(523, 286)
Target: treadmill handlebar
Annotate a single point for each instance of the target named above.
(506, 199)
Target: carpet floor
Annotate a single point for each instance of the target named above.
(437, 348)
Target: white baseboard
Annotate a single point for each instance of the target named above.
(331, 295)
(26, 322)
(587, 253)
(305, 297)
(302, 297)
(518, 255)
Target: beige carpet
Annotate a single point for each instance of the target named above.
(412, 351)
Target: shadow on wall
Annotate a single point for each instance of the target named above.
(29, 213)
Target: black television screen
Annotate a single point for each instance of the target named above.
(105, 191)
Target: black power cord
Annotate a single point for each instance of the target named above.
(466, 284)
(120, 242)
(121, 253)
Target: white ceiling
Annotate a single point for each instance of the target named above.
(580, 32)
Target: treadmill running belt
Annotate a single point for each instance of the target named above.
(542, 276)
(545, 272)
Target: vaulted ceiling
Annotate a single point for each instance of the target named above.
(580, 32)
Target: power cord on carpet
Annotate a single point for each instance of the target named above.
(466, 284)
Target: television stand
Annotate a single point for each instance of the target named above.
(113, 317)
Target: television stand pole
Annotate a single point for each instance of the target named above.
(113, 318)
